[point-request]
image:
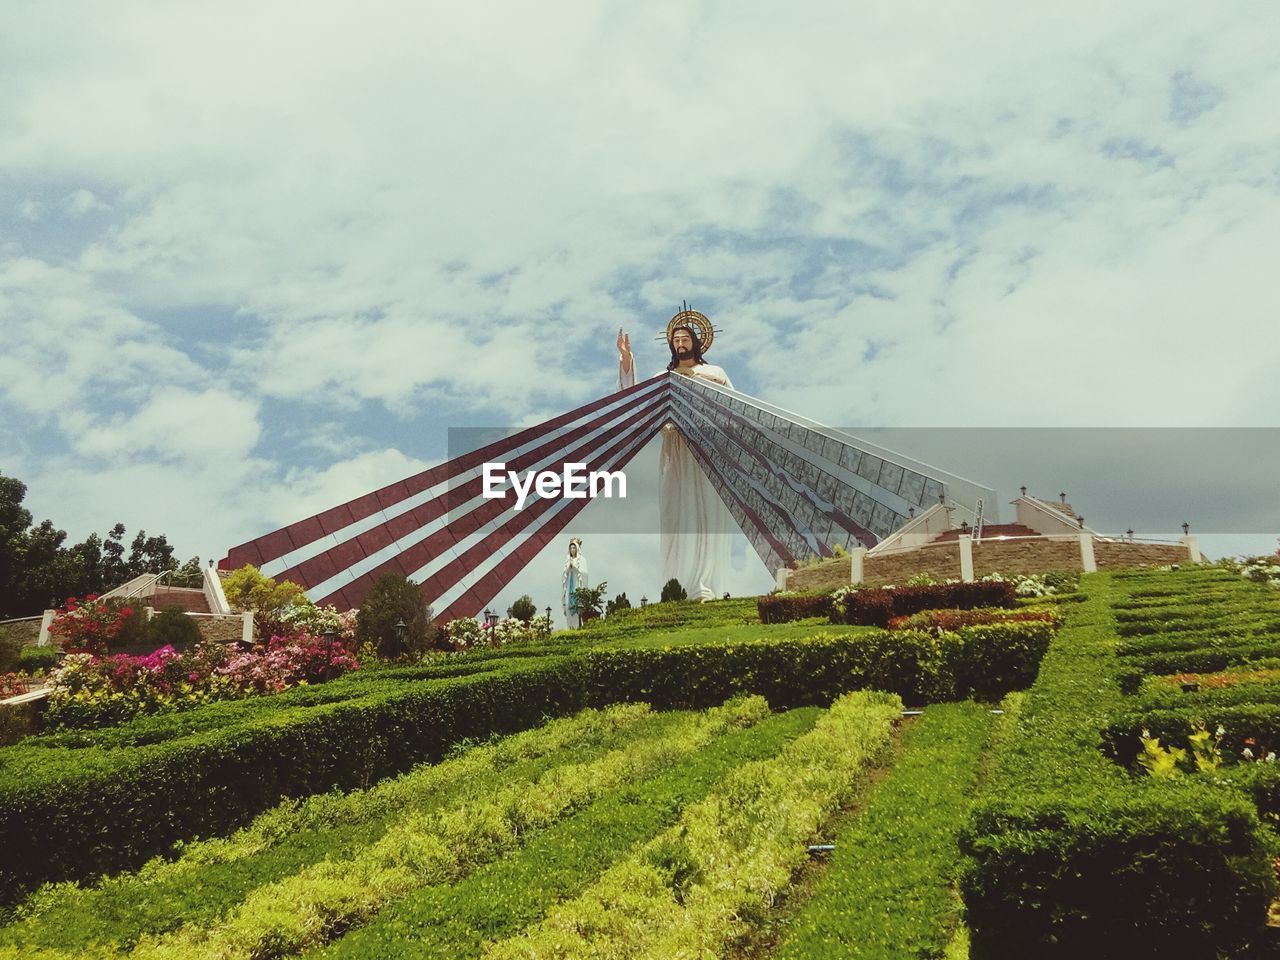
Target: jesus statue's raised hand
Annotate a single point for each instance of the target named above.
(624, 351)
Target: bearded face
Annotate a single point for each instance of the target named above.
(683, 346)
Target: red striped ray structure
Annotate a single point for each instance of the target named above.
(796, 488)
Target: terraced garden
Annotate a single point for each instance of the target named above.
(686, 781)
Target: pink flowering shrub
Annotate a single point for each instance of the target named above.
(88, 691)
(286, 662)
(90, 624)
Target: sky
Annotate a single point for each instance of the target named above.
(257, 259)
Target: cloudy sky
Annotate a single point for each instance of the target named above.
(256, 259)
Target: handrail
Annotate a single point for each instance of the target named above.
(133, 588)
(20, 619)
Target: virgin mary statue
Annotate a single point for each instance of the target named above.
(694, 524)
(574, 577)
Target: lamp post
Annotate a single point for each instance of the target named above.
(329, 636)
(402, 630)
(548, 614)
(1186, 528)
(1024, 490)
(1129, 533)
(1063, 496)
(1080, 521)
(644, 602)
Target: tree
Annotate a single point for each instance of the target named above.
(248, 589)
(523, 609)
(620, 602)
(37, 569)
(590, 600)
(391, 599)
(672, 590)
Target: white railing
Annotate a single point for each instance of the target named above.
(213, 591)
(935, 520)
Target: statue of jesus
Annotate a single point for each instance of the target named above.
(694, 524)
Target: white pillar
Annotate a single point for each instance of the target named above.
(780, 577)
(1193, 549)
(1087, 562)
(45, 622)
(856, 557)
(246, 632)
(966, 558)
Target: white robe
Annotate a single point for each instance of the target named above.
(574, 576)
(694, 524)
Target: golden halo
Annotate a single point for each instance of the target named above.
(699, 321)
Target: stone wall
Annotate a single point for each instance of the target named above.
(989, 556)
(941, 561)
(821, 577)
(1025, 556)
(1120, 554)
(223, 630)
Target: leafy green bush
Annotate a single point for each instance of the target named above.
(172, 628)
(32, 659)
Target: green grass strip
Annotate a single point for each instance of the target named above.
(324, 900)
(888, 891)
(453, 921)
(691, 889)
(214, 875)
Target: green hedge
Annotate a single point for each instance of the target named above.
(876, 606)
(1256, 722)
(1141, 870)
(1068, 855)
(784, 609)
(887, 892)
(71, 814)
(85, 802)
(984, 661)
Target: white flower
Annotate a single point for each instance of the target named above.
(1271, 757)
(1247, 753)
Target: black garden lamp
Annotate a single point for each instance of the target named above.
(548, 614)
(1186, 528)
(1024, 490)
(1063, 496)
(1080, 521)
(402, 631)
(644, 602)
(1129, 533)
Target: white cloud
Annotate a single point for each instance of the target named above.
(80, 202)
(904, 214)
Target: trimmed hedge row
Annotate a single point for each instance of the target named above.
(1193, 661)
(784, 609)
(1068, 856)
(984, 662)
(1247, 724)
(876, 606)
(71, 813)
(888, 889)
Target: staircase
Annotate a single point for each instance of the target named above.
(991, 531)
(187, 599)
